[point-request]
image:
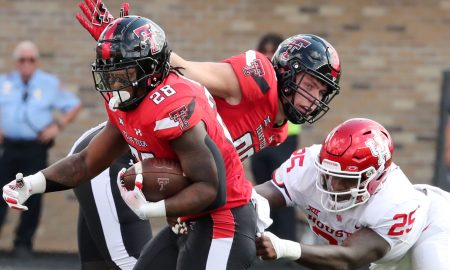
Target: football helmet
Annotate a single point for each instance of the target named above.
(356, 154)
(315, 56)
(132, 59)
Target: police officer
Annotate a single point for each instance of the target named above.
(28, 97)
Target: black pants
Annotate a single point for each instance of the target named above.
(263, 164)
(27, 157)
(221, 241)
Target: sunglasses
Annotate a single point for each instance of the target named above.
(29, 59)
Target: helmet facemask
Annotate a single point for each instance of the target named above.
(356, 194)
(124, 85)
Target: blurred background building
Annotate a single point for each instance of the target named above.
(393, 55)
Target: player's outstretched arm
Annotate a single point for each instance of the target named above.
(218, 78)
(203, 163)
(69, 172)
(361, 248)
(272, 194)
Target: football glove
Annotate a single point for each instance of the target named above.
(135, 199)
(17, 192)
(97, 16)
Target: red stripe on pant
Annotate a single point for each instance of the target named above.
(224, 225)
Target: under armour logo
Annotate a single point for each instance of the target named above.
(121, 121)
(267, 121)
(138, 132)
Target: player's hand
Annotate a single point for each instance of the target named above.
(270, 247)
(17, 192)
(178, 227)
(264, 247)
(49, 133)
(135, 199)
(97, 16)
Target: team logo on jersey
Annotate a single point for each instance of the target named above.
(149, 34)
(179, 115)
(182, 114)
(255, 67)
(295, 44)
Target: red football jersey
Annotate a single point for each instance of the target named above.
(251, 122)
(172, 108)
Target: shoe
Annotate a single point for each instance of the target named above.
(22, 252)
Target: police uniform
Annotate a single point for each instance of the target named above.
(26, 110)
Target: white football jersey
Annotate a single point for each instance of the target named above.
(398, 212)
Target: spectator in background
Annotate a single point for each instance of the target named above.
(266, 161)
(28, 97)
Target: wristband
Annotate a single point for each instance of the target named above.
(285, 248)
(290, 250)
(150, 209)
(37, 182)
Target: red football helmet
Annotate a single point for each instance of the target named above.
(352, 163)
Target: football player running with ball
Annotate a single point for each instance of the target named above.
(361, 203)
(155, 112)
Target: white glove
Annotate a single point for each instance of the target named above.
(135, 199)
(284, 248)
(17, 192)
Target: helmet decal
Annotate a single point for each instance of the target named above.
(379, 148)
(295, 44)
(148, 34)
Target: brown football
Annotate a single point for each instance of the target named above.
(162, 178)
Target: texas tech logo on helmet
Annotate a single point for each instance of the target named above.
(149, 34)
(295, 44)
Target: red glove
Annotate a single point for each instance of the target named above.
(97, 16)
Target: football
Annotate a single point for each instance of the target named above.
(162, 178)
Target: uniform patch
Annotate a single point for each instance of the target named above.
(182, 114)
(255, 67)
(179, 115)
